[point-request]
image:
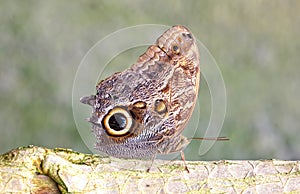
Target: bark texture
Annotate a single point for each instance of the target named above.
(40, 170)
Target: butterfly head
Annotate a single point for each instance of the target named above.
(178, 41)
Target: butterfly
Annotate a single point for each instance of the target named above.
(142, 111)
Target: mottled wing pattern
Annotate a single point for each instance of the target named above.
(142, 111)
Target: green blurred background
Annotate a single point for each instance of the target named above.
(255, 43)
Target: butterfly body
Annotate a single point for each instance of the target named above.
(143, 110)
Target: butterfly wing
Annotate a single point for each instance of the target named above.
(142, 111)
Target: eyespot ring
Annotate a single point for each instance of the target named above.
(118, 122)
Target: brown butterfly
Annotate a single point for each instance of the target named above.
(143, 110)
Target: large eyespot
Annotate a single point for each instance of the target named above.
(175, 49)
(160, 107)
(118, 122)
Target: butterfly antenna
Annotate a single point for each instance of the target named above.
(210, 138)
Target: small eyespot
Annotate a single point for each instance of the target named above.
(175, 49)
(140, 105)
(117, 122)
(160, 107)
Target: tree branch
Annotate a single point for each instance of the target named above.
(35, 169)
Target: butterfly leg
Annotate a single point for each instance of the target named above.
(183, 159)
(152, 162)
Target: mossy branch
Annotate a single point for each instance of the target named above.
(35, 169)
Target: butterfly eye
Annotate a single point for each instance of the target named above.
(118, 122)
(187, 35)
(176, 49)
